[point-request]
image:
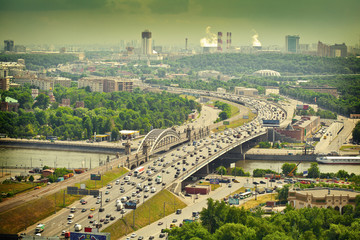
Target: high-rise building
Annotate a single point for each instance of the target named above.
(146, 42)
(338, 50)
(8, 45)
(292, 44)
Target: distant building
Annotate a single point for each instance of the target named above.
(106, 84)
(8, 45)
(47, 172)
(146, 42)
(322, 198)
(338, 50)
(209, 74)
(221, 90)
(267, 73)
(34, 93)
(49, 83)
(79, 104)
(323, 50)
(20, 48)
(65, 102)
(292, 44)
(246, 91)
(300, 130)
(9, 105)
(326, 89)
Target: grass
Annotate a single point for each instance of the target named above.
(234, 110)
(236, 123)
(29, 213)
(16, 188)
(188, 97)
(350, 148)
(152, 210)
(19, 218)
(260, 199)
(106, 178)
(213, 186)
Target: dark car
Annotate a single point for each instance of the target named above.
(262, 182)
(101, 209)
(256, 183)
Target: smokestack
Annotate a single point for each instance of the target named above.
(186, 40)
(228, 40)
(219, 45)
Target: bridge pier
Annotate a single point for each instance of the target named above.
(127, 148)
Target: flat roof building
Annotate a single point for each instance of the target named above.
(106, 84)
(246, 91)
(322, 198)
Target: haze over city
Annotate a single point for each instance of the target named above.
(106, 22)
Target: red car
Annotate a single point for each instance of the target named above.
(90, 216)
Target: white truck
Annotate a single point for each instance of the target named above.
(119, 206)
(78, 227)
(158, 179)
(39, 228)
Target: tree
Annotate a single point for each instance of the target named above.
(221, 170)
(42, 101)
(235, 231)
(192, 230)
(283, 192)
(31, 178)
(288, 167)
(313, 171)
(356, 133)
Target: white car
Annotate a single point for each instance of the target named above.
(133, 235)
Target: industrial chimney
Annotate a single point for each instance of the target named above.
(219, 42)
(228, 40)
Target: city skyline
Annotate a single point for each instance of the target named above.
(107, 22)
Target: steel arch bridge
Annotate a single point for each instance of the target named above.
(158, 138)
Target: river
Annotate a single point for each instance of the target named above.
(17, 157)
(38, 158)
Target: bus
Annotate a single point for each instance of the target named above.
(245, 195)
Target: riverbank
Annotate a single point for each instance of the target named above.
(105, 148)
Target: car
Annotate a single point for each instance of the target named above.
(262, 182)
(174, 220)
(279, 182)
(129, 174)
(122, 183)
(272, 180)
(83, 210)
(122, 190)
(92, 209)
(146, 195)
(107, 192)
(140, 238)
(101, 209)
(98, 201)
(229, 185)
(112, 218)
(178, 211)
(256, 183)
(163, 184)
(160, 223)
(106, 221)
(108, 215)
(151, 237)
(162, 235)
(69, 221)
(92, 221)
(90, 216)
(133, 235)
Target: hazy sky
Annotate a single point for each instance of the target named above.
(171, 21)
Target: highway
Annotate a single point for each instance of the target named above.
(173, 165)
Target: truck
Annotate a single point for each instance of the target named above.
(158, 179)
(139, 171)
(39, 228)
(119, 206)
(78, 227)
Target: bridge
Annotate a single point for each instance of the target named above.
(160, 140)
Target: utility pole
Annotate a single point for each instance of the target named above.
(134, 218)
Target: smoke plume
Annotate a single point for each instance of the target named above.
(255, 40)
(210, 40)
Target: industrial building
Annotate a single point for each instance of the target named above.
(292, 44)
(299, 131)
(146, 42)
(322, 198)
(106, 84)
(246, 91)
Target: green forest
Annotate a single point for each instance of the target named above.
(39, 61)
(220, 221)
(103, 112)
(286, 64)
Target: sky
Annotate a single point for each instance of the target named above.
(171, 21)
